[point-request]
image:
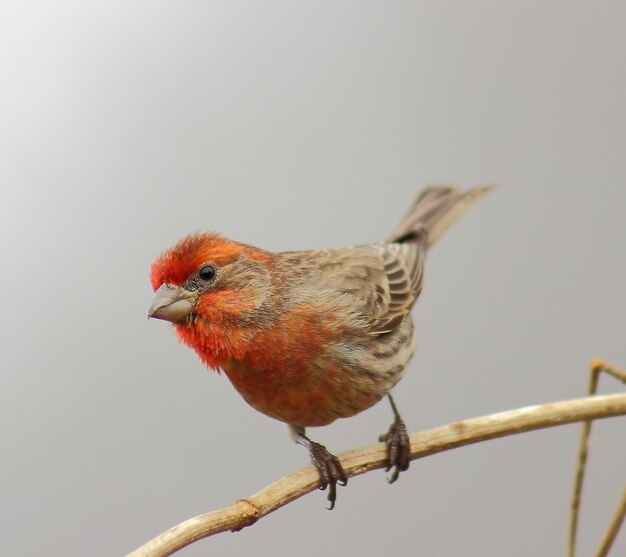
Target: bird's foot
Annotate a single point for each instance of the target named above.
(328, 465)
(330, 470)
(398, 448)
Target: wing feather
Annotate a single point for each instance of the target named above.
(376, 284)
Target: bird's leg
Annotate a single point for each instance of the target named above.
(398, 445)
(327, 464)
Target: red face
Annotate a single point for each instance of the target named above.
(206, 285)
(176, 265)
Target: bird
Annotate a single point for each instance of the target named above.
(310, 336)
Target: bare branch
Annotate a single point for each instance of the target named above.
(598, 366)
(613, 529)
(245, 512)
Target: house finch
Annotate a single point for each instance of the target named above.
(307, 337)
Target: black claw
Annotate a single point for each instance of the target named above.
(398, 449)
(332, 497)
(330, 470)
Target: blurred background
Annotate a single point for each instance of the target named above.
(127, 124)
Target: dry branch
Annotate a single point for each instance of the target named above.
(598, 366)
(245, 512)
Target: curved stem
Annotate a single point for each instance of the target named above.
(245, 512)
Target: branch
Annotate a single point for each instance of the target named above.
(245, 512)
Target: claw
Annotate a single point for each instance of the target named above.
(398, 449)
(328, 465)
(330, 470)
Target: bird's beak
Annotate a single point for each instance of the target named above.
(171, 303)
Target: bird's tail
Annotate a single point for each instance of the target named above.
(434, 210)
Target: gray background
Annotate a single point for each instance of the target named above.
(125, 125)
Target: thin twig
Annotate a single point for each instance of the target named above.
(245, 512)
(598, 366)
(613, 529)
(581, 466)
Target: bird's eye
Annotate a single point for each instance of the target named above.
(207, 272)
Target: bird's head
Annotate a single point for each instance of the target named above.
(208, 286)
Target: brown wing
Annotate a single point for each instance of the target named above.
(404, 274)
(376, 285)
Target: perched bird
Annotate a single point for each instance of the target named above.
(307, 337)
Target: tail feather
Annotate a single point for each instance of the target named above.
(434, 210)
